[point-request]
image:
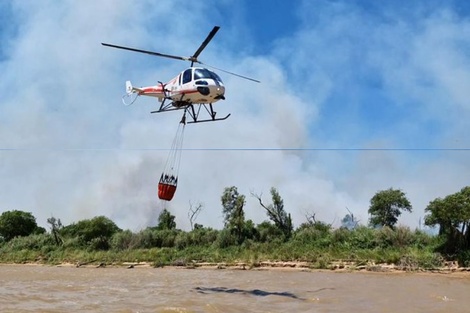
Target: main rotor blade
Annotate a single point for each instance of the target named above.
(231, 73)
(205, 42)
(147, 52)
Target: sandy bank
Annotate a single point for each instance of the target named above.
(337, 266)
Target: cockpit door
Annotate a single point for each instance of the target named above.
(187, 76)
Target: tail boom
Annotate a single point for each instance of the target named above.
(151, 91)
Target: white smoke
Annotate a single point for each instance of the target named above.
(346, 78)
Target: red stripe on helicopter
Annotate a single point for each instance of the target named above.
(159, 90)
(152, 89)
(186, 91)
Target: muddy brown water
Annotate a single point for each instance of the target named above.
(26, 288)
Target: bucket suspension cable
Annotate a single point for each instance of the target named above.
(169, 178)
(174, 156)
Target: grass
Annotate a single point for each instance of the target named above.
(401, 247)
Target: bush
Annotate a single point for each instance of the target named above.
(363, 237)
(318, 235)
(226, 239)
(99, 243)
(165, 238)
(340, 237)
(399, 237)
(95, 232)
(183, 240)
(430, 260)
(123, 240)
(204, 236)
(31, 242)
(464, 258)
(423, 239)
(146, 239)
(267, 232)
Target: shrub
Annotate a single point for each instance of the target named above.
(165, 238)
(430, 260)
(183, 240)
(99, 230)
(363, 237)
(123, 240)
(99, 243)
(464, 258)
(341, 236)
(226, 239)
(267, 232)
(204, 236)
(31, 242)
(318, 234)
(146, 239)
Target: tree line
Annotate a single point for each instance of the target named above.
(450, 214)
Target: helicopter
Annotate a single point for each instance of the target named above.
(194, 88)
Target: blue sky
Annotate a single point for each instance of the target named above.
(374, 92)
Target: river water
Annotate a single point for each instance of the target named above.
(26, 288)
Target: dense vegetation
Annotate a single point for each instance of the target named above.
(100, 240)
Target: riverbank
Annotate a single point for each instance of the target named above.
(330, 253)
(450, 267)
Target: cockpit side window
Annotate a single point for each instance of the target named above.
(187, 76)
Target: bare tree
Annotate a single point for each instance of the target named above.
(194, 212)
(312, 221)
(311, 218)
(349, 221)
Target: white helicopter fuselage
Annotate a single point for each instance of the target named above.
(195, 85)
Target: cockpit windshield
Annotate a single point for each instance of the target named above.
(205, 73)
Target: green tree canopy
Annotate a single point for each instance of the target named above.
(276, 213)
(166, 220)
(234, 216)
(17, 223)
(452, 215)
(386, 206)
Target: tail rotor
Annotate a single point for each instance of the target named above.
(130, 96)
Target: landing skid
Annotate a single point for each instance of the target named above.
(192, 111)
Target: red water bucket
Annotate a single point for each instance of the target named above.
(166, 191)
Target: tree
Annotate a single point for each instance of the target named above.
(234, 216)
(349, 221)
(452, 215)
(166, 220)
(193, 213)
(276, 213)
(17, 223)
(56, 225)
(386, 206)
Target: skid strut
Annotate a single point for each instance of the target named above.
(192, 111)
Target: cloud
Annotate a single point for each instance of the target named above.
(348, 77)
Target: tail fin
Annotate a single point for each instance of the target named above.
(130, 95)
(129, 87)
